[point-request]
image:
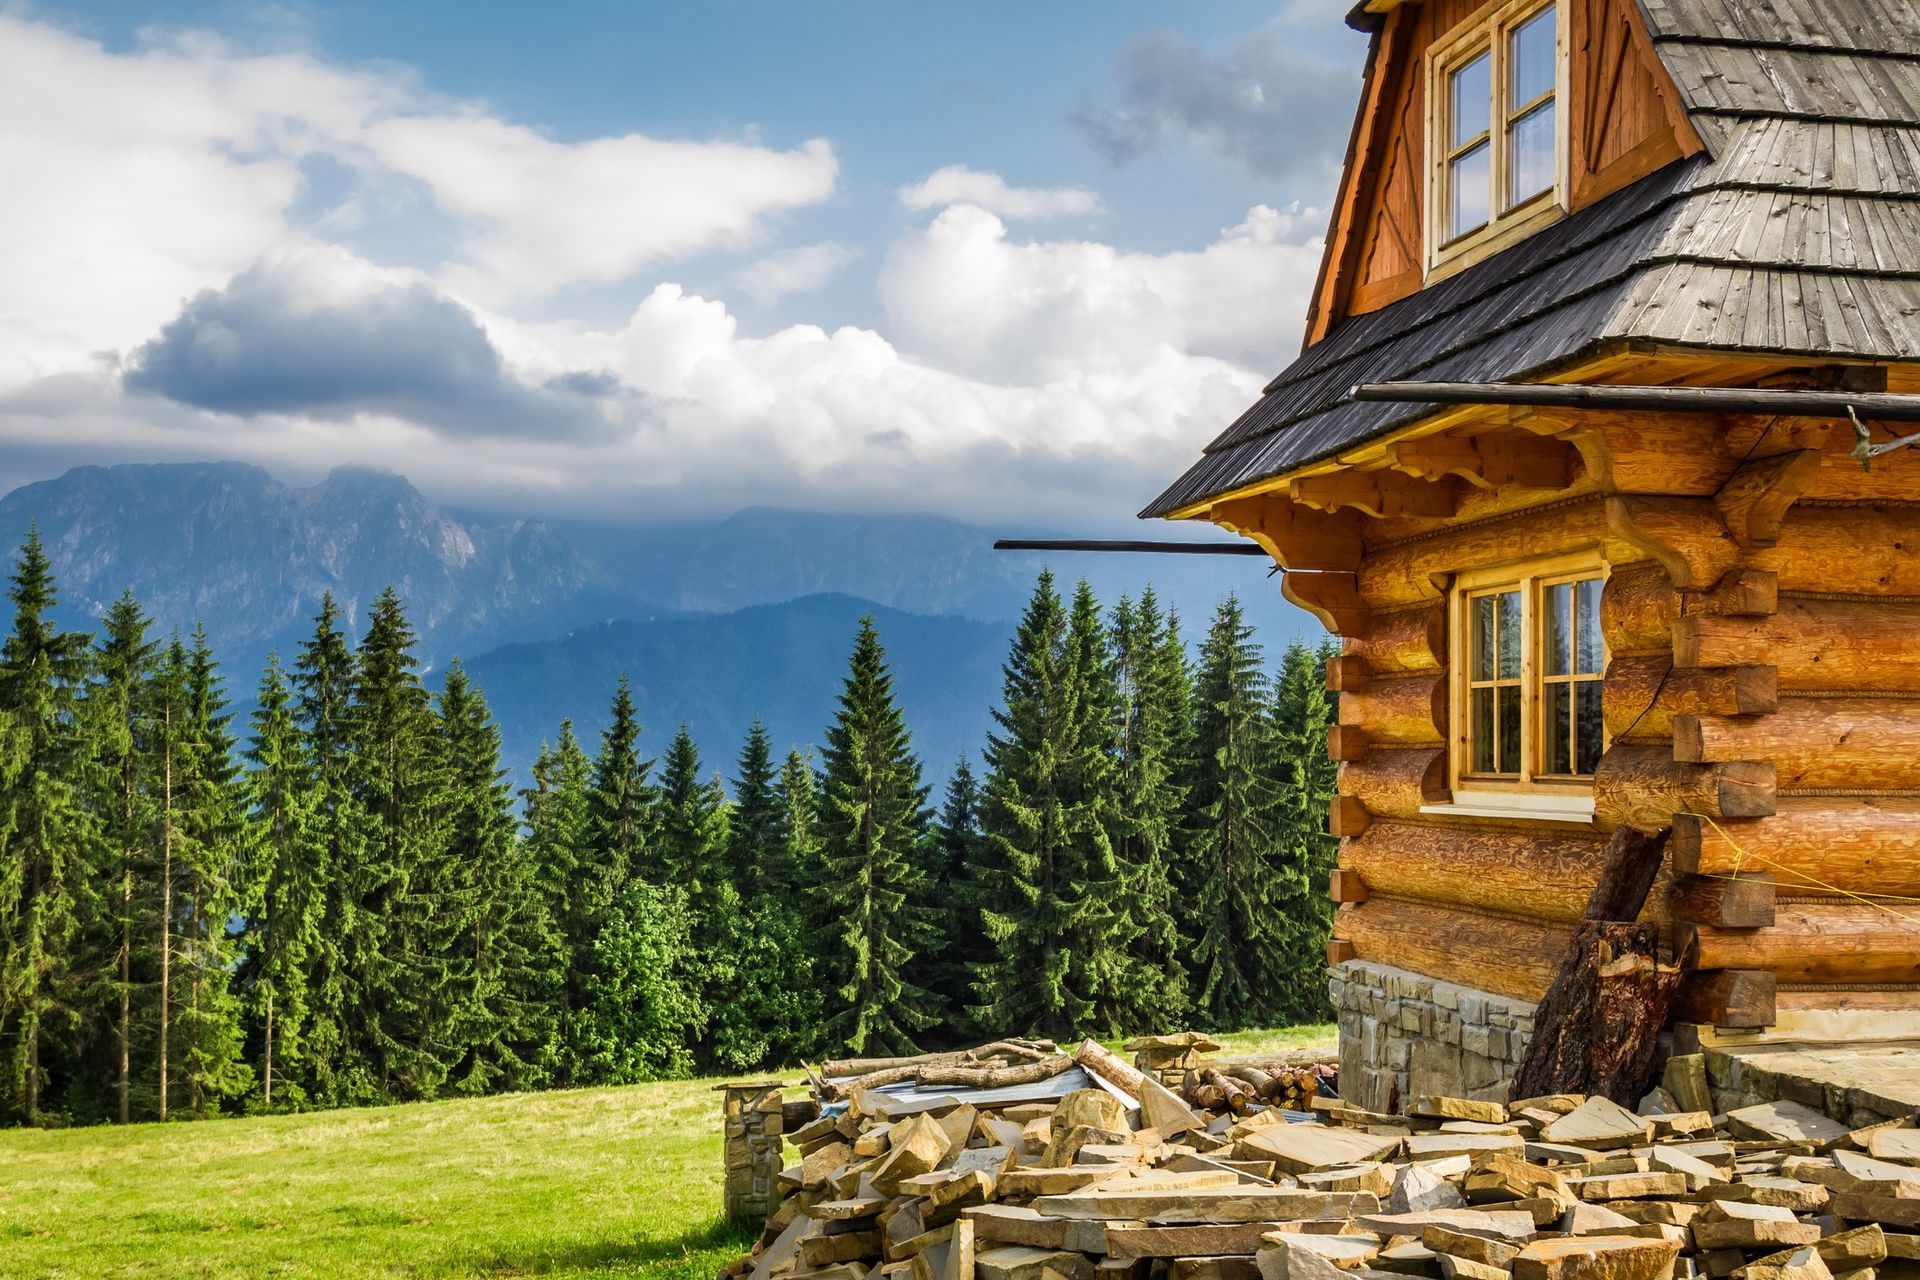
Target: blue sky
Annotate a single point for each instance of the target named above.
(645, 259)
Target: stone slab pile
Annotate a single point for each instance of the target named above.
(1096, 1186)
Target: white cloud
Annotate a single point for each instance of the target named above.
(134, 180)
(957, 184)
(790, 271)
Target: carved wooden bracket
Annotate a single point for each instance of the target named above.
(1489, 461)
(1334, 598)
(1754, 500)
(1382, 494)
(1686, 535)
(1297, 537)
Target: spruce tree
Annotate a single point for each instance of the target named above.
(1233, 888)
(1151, 731)
(558, 823)
(415, 983)
(209, 866)
(285, 921)
(689, 851)
(1305, 853)
(952, 903)
(342, 1070)
(1057, 915)
(117, 721)
(797, 867)
(47, 891)
(873, 822)
(507, 941)
(621, 803)
(754, 833)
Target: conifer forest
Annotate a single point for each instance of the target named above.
(340, 899)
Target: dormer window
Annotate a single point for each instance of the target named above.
(1493, 89)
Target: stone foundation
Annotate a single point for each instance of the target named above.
(1402, 1034)
(752, 1152)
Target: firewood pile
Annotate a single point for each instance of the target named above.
(1564, 1187)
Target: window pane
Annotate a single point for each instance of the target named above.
(1469, 184)
(1483, 731)
(1530, 59)
(1530, 154)
(1483, 638)
(1590, 730)
(1559, 727)
(1509, 700)
(1556, 628)
(1591, 652)
(1510, 635)
(1471, 101)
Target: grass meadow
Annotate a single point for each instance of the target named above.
(592, 1182)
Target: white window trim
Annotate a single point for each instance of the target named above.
(1444, 256)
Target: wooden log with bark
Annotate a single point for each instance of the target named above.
(1598, 1027)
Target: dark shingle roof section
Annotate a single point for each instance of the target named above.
(1798, 234)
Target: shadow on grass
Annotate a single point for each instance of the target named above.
(697, 1255)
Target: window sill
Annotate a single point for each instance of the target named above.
(1532, 807)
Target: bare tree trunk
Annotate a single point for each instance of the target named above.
(196, 1070)
(166, 905)
(266, 1038)
(125, 1079)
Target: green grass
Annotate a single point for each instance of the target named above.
(598, 1182)
(593, 1182)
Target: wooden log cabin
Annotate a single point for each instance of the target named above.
(1654, 609)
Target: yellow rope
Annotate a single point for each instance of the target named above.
(1875, 901)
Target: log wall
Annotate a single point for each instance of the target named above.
(1762, 617)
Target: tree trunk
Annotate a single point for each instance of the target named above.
(1598, 1027)
(166, 903)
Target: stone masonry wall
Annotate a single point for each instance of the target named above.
(1402, 1034)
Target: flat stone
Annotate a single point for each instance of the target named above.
(1212, 1239)
(1018, 1262)
(1901, 1145)
(1697, 1172)
(1846, 1251)
(1432, 1146)
(1464, 1244)
(1795, 1264)
(1166, 1110)
(1784, 1193)
(1596, 1258)
(1420, 1187)
(1729, 1224)
(1503, 1176)
(1288, 1260)
(1437, 1107)
(1597, 1220)
(1503, 1224)
(1785, 1122)
(1601, 1124)
(1629, 1186)
(1240, 1204)
(1013, 1224)
(1888, 1211)
(1302, 1148)
(1372, 1176)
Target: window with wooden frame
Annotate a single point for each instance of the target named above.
(1528, 660)
(1496, 135)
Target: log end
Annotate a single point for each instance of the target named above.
(1346, 742)
(1729, 998)
(1347, 816)
(1746, 789)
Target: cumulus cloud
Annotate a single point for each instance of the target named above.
(1260, 102)
(957, 184)
(800, 270)
(320, 332)
(966, 295)
(136, 179)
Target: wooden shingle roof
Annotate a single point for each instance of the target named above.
(1798, 234)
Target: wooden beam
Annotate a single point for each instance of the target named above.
(1395, 783)
(1344, 885)
(1845, 743)
(1852, 549)
(1544, 874)
(1813, 845)
(1754, 501)
(1737, 999)
(1491, 461)
(1347, 817)
(1406, 711)
(1500, 954)
(1296, 537)
(1740, 593)
(1339, 951)
(1839, 943)
(1644, 786)
(1403, 642)
(1638, 608)
(1884, 406)
(1641, 696)
(1333, 598)
(1816, 644)
(1726, 902)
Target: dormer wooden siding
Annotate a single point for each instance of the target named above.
(1623, 120)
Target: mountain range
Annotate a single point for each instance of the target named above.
(716, 621)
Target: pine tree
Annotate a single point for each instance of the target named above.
(754, 834)
(689, 851)
(1062, 940)
(212, 829)
(343, 1072)
(621, 804)
(1305, 853)
(46, 835)
(558, 845)
(1232, 884)
(506, 1016)
(416, 982)
(873, 821)
(951, 901)
(798, 865)
(288, 898)
(1152, 708)
(117, 718)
